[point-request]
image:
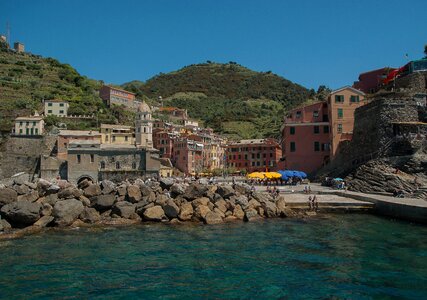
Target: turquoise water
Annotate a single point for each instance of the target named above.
(344, 256)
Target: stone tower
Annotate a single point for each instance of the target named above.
(144, 127)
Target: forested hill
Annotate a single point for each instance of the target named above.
(232, 99)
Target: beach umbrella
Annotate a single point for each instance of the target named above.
(284, 177)
(301, 174)
(338, 179)
(256, 175)
(288, 173)
(273, 175)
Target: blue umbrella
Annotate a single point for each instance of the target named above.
(338, 179)
(302, 174)
(284, 177)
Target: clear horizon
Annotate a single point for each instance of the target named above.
(311, 43)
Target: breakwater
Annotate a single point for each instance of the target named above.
(30, 206)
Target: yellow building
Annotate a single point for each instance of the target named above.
(117, 134)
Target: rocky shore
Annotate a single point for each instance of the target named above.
(27, 207)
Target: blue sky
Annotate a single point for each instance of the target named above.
(307, 42)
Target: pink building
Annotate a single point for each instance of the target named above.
(370, 82)
(305, 137)
(188, 155)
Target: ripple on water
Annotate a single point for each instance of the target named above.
(344, 256)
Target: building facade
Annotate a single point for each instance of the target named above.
(144, 126)
(29, 126)
(188, 156)
(341, 106)
(253, 155)
(56, 107)
(114, 96)
(305, 137)
(96, 162)
(65, 137)
(117, 134)
(19, 47)
(371, 81)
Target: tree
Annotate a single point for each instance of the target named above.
(425, 50)
(323, 92)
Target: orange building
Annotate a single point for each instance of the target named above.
(111, 95)
(305, 137)
(341, 106)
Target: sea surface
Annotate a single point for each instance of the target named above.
(332, 257)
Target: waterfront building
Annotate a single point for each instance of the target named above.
(65, 137)
(58, 108)
(95, 161)
(371, 81)
(117, 134)
(305, 137)
(115, 96)
(29, 126)
(163, 141)
(144, 126)
(341, 106)
(188, 155)
(254, 155)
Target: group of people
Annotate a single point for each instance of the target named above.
(313, 204)
(273, 191)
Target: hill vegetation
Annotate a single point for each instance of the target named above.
(27, 79)
(230, 98)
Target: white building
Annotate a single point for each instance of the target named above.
(56, 107)
(144, 126)
(29, 126)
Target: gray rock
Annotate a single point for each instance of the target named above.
(242, 200)
(53, 189)
(44, 221)
(122, 190)
(195, 191)
(134, 193)
(103, 202)
(200, 201)
(270, 209)
(69, 193)
(51, 199)
(66, 212)
(90, 215)
(47, 209)
(171, 209)
(251, 215)
(31, 185)
(43, 184)
(177, 189)
(242, 188)
(7, 195)
(145, 190)
(92, 190)
(154, 213)
(123, 209)
(32, 196)
(212, 218)
(107, 187)
(238, 212)
(166, 183)
(21, 189)
(22, 212)
(226, 191)
(84, 184)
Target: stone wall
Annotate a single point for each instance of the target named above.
(415, 82)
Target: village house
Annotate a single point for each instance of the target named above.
(117, 134)
(254, 155)
(29, 126)
(115, 96)
(65, 137)
(371, 81)
(57, 108)
(188, 155)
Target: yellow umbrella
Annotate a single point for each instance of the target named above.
(272, 175)
(258, 175)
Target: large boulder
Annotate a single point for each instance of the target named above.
(67, 211)
(92, 190)
(177, 189)
(44, 221)
(200, 201)
(22, 212)
(32, 196)
(226, 191)
(242, 188)
(107, 187)
(270, 209)
(103, 202)
(51, 199)
(84, 184)
(155, 213)
(281, 206)
(21, 189)
(195, 191)
(145, 190)
(238, 212)
(43, 184)
(122, 190)
(166, 183)
(251, 215)
(90, 215)
(171, 209)
(70, 192)
(201, 211)
(212, 218)
(221, 205)
(4, 225)
(134, 193)
(123, 209)
(242, 200)
(186, 212)
(7, 195)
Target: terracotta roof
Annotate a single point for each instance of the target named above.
(350, 88)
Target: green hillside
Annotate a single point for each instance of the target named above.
(230, 98)
(27, 79)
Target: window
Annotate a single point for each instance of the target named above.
(61, 104)
(271, 154)
(20, 123)
(134, 165)
(114, 138)
(293, 147)
(264, 155)
(37, 131)
(253, 164)
(316, 146)
(316, 129)
(102, 164)
(32, 131)
(92, 158)
(49, 111)
(325, 147)
(354, 99)
(298, 114)
(258, 163)
(246, 156)
(340, 113)
(117, 165)
(126, 139)
(34, 123)
(258, 155)
(49, 104)
(339, 98)
(27, 131)
(106, 138)
(339, 128)
(326, 129)
(61, 112)
(240, 157)
(79, 158)
(315, 114)
(20, 131)
(292, 130)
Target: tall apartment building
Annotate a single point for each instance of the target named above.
(305, 137)
(254, 155)
(111, 95)
(188, 155)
